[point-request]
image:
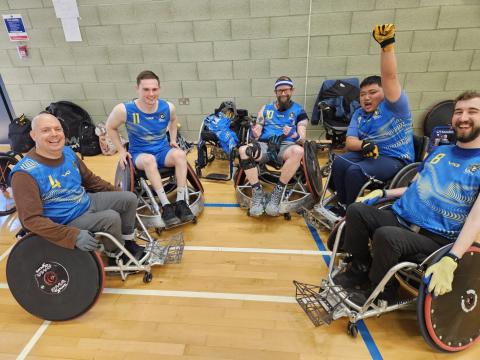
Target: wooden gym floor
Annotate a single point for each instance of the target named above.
(231, 297)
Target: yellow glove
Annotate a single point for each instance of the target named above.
(385, 36)
(372, 197)
(369, 149)
(442, 276)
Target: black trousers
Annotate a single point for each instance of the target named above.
(391, 241)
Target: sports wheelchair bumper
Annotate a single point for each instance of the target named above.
(448, 323)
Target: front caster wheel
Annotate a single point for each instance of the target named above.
(352, 330)
(147, 277)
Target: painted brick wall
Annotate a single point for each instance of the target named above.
(212, 50)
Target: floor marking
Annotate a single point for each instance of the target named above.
(201, 295)
(5, 254)
(257, 250)
(26, 350)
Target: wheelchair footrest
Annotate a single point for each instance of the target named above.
(168, 251)
(321, 304)
(320, 220)
(216, 176)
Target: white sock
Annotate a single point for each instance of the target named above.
(128, 237)
(162, 196)
(181, 191)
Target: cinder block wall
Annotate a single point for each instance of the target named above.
(212, 50)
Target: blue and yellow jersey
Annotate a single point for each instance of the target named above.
(444, 193)
(275, 120)
(147, 133)
(63, 196)
(389, 127)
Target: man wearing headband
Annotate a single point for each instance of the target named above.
(380, 134)
(278, 134)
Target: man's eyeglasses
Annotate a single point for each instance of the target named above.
(283, 91)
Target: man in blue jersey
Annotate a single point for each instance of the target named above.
(147, 120)
(380, 134)
(61, 200)
(279, 134)
(441, 206)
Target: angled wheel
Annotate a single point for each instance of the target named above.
(124, 178)
(451, 322)
(52, 282)
(313, 172)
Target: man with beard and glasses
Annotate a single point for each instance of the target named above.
(440, 207)
(380, 134)
(279, 134)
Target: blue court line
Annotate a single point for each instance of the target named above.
(228, 205)
(362, 328)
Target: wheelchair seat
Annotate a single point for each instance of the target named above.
(209, 145)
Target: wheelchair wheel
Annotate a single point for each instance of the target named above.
(52, 282)
(7, 162)
(404, 176)
(451, 322)
(124, 178)
(440, 114)
(313, 172)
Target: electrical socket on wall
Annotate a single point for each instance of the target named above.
(184, 101)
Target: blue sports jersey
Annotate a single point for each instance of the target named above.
(275, 120)
(444, 193)
(220, 125)
(147, 133)
(63, 196)
(389, 127)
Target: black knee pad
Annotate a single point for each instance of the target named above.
(246, 164)
(254, 151)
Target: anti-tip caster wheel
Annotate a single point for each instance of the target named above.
(147, 277)
(194, 221)
(248, 212)
(287, 216)
(352, 329)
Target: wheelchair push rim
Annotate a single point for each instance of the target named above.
(451, 322)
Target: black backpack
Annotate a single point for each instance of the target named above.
(19, 134)
(78, 127)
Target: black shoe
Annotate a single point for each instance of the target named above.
(183, 212)
(355, 277)
(168, 215)
(389, 294)
(136, 250)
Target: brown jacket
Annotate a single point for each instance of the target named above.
(30, 206)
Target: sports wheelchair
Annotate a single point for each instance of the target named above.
(303, 190)
(7, 162)
(448, 323)
(132, 179)
(209, 146)
(55, 283)
(322, 216)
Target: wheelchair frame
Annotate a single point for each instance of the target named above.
(306, 184)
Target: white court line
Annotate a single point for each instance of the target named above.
(5, 254)
(201, 295)
(26, 350)
(194, 294)
(257, 250)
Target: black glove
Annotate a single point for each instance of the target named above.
(369, 149)
(273, 148)
(86, 242)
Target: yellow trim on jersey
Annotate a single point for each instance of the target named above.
(136, 118)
